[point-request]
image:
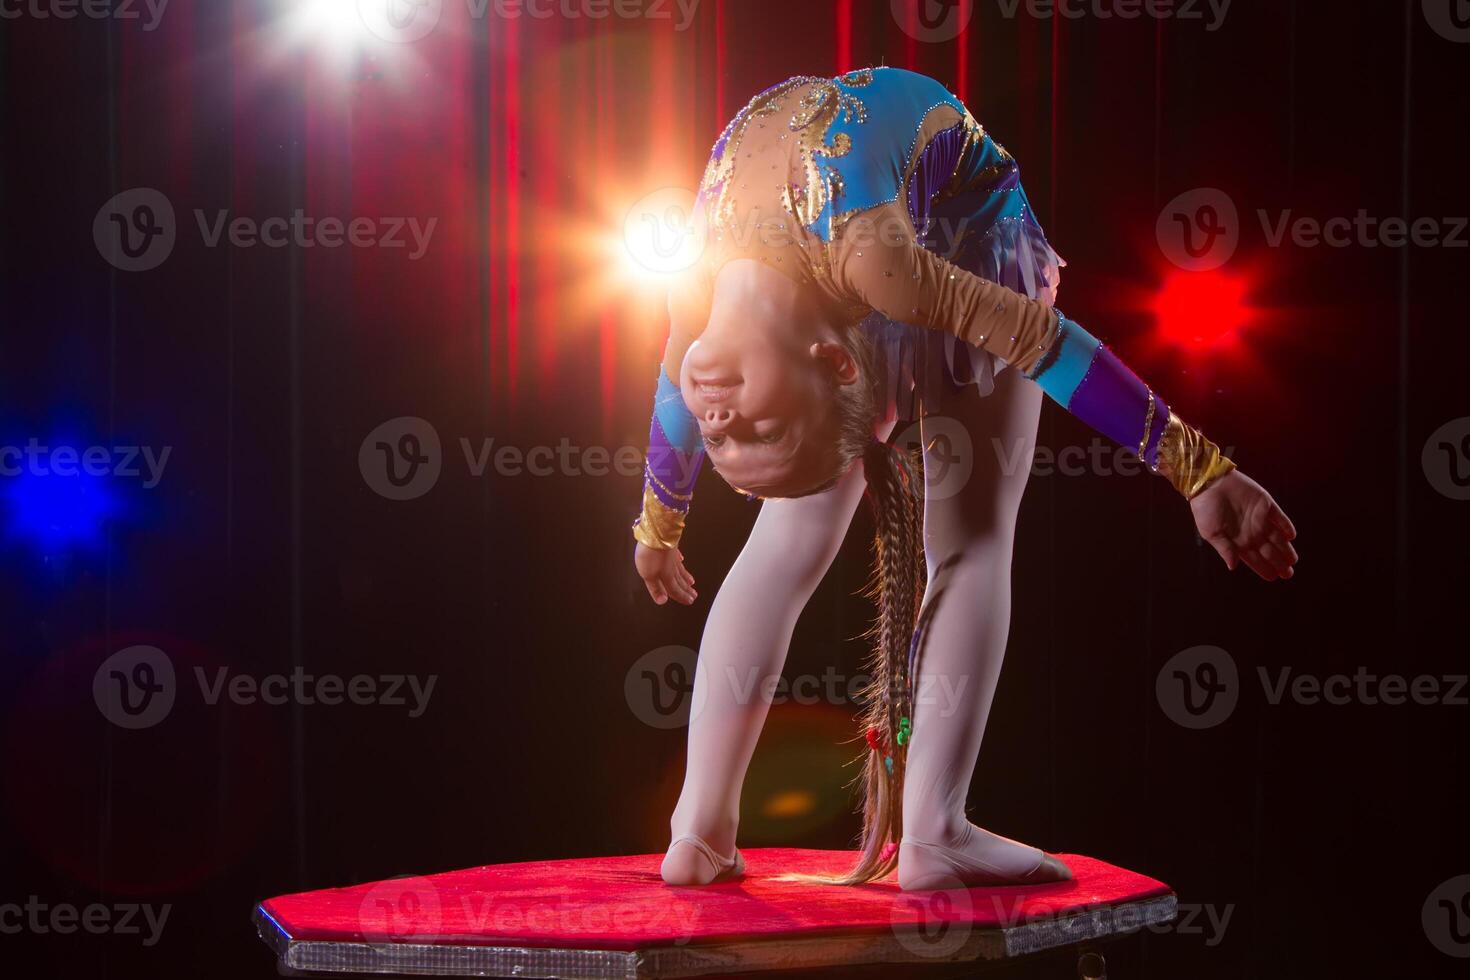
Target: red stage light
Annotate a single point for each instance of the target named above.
(1201, 309)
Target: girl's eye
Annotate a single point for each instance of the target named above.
(712, 442)
(771, 438)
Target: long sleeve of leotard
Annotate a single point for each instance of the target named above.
(675, 452)
(675, 447)
(909, 283)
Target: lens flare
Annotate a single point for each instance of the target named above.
(663, 233)
(1201, 310)
(334, 24)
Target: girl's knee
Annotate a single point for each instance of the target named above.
(987, 550)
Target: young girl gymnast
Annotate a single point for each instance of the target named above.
(871, 255)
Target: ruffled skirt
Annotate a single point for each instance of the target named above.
(994, 235)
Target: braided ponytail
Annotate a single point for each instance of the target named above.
(887, 718)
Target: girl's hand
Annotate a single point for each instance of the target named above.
(664, 574)
(1243, 523)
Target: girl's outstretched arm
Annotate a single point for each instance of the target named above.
(671, 466)
(909, 283)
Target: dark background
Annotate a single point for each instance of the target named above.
(1322, 828)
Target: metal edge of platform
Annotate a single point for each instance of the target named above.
(417, 959)
(670, 962)
(910, 947)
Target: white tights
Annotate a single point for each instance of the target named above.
(968, 541)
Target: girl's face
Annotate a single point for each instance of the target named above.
(764, 403)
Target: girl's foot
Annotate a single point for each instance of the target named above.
(976, 858)
(691, 861)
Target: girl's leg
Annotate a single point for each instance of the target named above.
(969, 538)
(745, 641)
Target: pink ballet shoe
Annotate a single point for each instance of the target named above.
(721, 868)
(923, 866)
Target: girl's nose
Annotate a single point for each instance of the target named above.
(718, 417)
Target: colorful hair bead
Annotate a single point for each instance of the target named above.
(875, 741)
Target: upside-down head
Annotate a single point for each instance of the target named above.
(782, 394)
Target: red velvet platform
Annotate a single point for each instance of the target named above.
(614, 917)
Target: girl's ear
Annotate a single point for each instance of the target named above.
(837, 357)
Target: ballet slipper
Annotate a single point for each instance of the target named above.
(925, 866)
(682, 872)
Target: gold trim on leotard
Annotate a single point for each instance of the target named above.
(1189, 460)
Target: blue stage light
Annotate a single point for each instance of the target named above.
(57, 512)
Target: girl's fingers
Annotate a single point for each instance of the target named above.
(656, 590)
(681, 593)
(1281, 543)
(1259, 564)
(1279, 518)
(1276, 558)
